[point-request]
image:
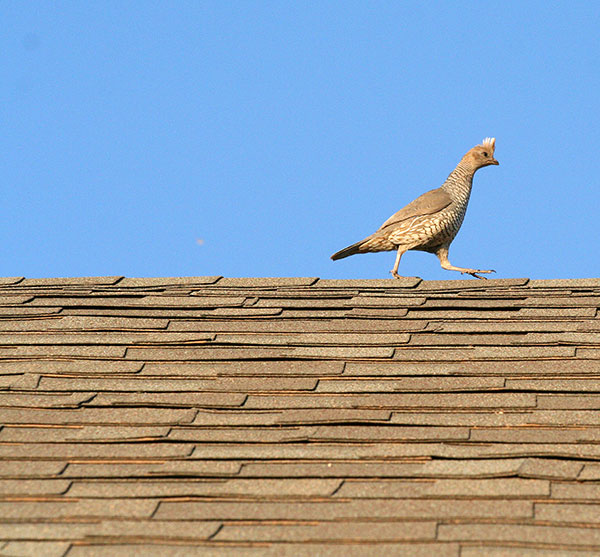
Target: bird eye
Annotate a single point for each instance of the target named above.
(485, 154)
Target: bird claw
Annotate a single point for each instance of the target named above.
(474, 273)
(395, 274)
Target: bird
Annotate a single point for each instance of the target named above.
(431, 222)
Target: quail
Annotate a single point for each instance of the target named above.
(431, 221)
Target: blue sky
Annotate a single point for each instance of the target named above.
(256, 138)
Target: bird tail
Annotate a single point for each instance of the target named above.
(347, 252)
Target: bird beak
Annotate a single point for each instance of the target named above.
(494, 161)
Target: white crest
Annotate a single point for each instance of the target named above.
(489, 142)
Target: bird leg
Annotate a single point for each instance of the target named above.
(442, 254)
(401, 250)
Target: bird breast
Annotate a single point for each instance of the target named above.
(428, 230)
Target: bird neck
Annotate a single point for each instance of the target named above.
(458, 184)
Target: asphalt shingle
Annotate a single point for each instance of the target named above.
(299, 416)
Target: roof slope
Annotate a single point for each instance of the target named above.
(297, 416)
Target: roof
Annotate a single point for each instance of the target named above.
(298, 416)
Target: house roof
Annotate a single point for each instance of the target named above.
(298, 416)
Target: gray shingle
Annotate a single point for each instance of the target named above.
(9, 281)
(387, 450)
(338, 531)
(35, 548)
(477, 468)
(14, 300)
(155, 529)
(548, 534)
(69, 281)
(475, 302)
(569, 512)
(139, 301)
(241, 434)
(33, 487)
(563, 338)
(315, 339)
(106, 433)
(33, 469)
(468, 284)
(206, 385)
(436, 338)
(266, 282)
(589, 353)
(34, 400)
(66, 351)
(536, 435)
(499, 419)
(68, 367)
(151, 469)
(363, 549)
(336, 302)
(14, 380)
(14, 315)
(404, 282)
(73, 450)
(488, 550)
(516, 326)
(407, 384)
(170, 312)
(554, 384)
(82, 323)
(326, 510)
(242, 312)
(127, 508)
(205, 488)
(361, 313)
(299, 325)
(381, 432)
(173, 399)
(176, 548)
(24, 382)
(589, 472)
(505, 488)
(446, 339)
(342, 301)
(565, 283)
(567, 402)
(407, 353)
(381, 450)
(332, 469)
(244, 368)
(393, 400)
(563, 301)
(258, 353)
(390, 301)
(291, 416)
(555, 312)
(97, 415)
(272, 383)
(580, 491)
(396, 368)
(154, 282)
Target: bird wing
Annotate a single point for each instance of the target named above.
(427, 204)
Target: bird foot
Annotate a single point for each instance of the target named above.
(474, 273)
(395, 274)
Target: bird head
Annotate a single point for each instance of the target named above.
(482, 155)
